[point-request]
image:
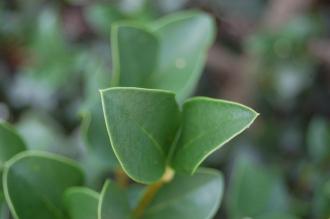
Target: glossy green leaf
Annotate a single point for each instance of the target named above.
(81, 203)
(250, 181)
(34, 183)
(188, 197)
(10, 143)
(184, 39)
(160, 55)
(142, 124)
(207, 124)
(113, 202)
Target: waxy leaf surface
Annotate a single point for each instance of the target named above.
(142, 124)
(207, 124)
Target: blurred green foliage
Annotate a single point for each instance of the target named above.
(55, 56)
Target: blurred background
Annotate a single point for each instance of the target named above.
(272, 55)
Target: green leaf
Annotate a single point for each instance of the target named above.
(34, 183)
(134, 53)
(250, 181)
(276, 216)
(100, 16)
(188, 197)
(318, 139)
(321, 200)
(99, 158)
(184, 39)
(113, 202)
(142, 124)
(207, 124)
(10, 143)
(81, 203)
(161, 55)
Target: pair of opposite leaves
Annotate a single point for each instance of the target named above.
(167, 54)
(143, 124)
(148, 132)
(35, 181)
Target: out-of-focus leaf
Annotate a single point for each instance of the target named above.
(188, 197)
(255, 191)
(207, 124)
(53, 61)
(131, 67)
(321, 204)
(135, 193)
(98, 158)
(10, 143)
(162, 65)
(34, 184)
(179, 67)
(318, 139)
(113, 202)
(168, 6)
(81, 203)
(142, 124)
(41, 132)
(276, 216)
(101, 16)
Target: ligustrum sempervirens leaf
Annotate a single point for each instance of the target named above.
(143, 123)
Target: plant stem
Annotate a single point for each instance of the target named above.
(121, 177)
(150, 193)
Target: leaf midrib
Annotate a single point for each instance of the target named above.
(150, 137)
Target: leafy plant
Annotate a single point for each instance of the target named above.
(159, 137)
